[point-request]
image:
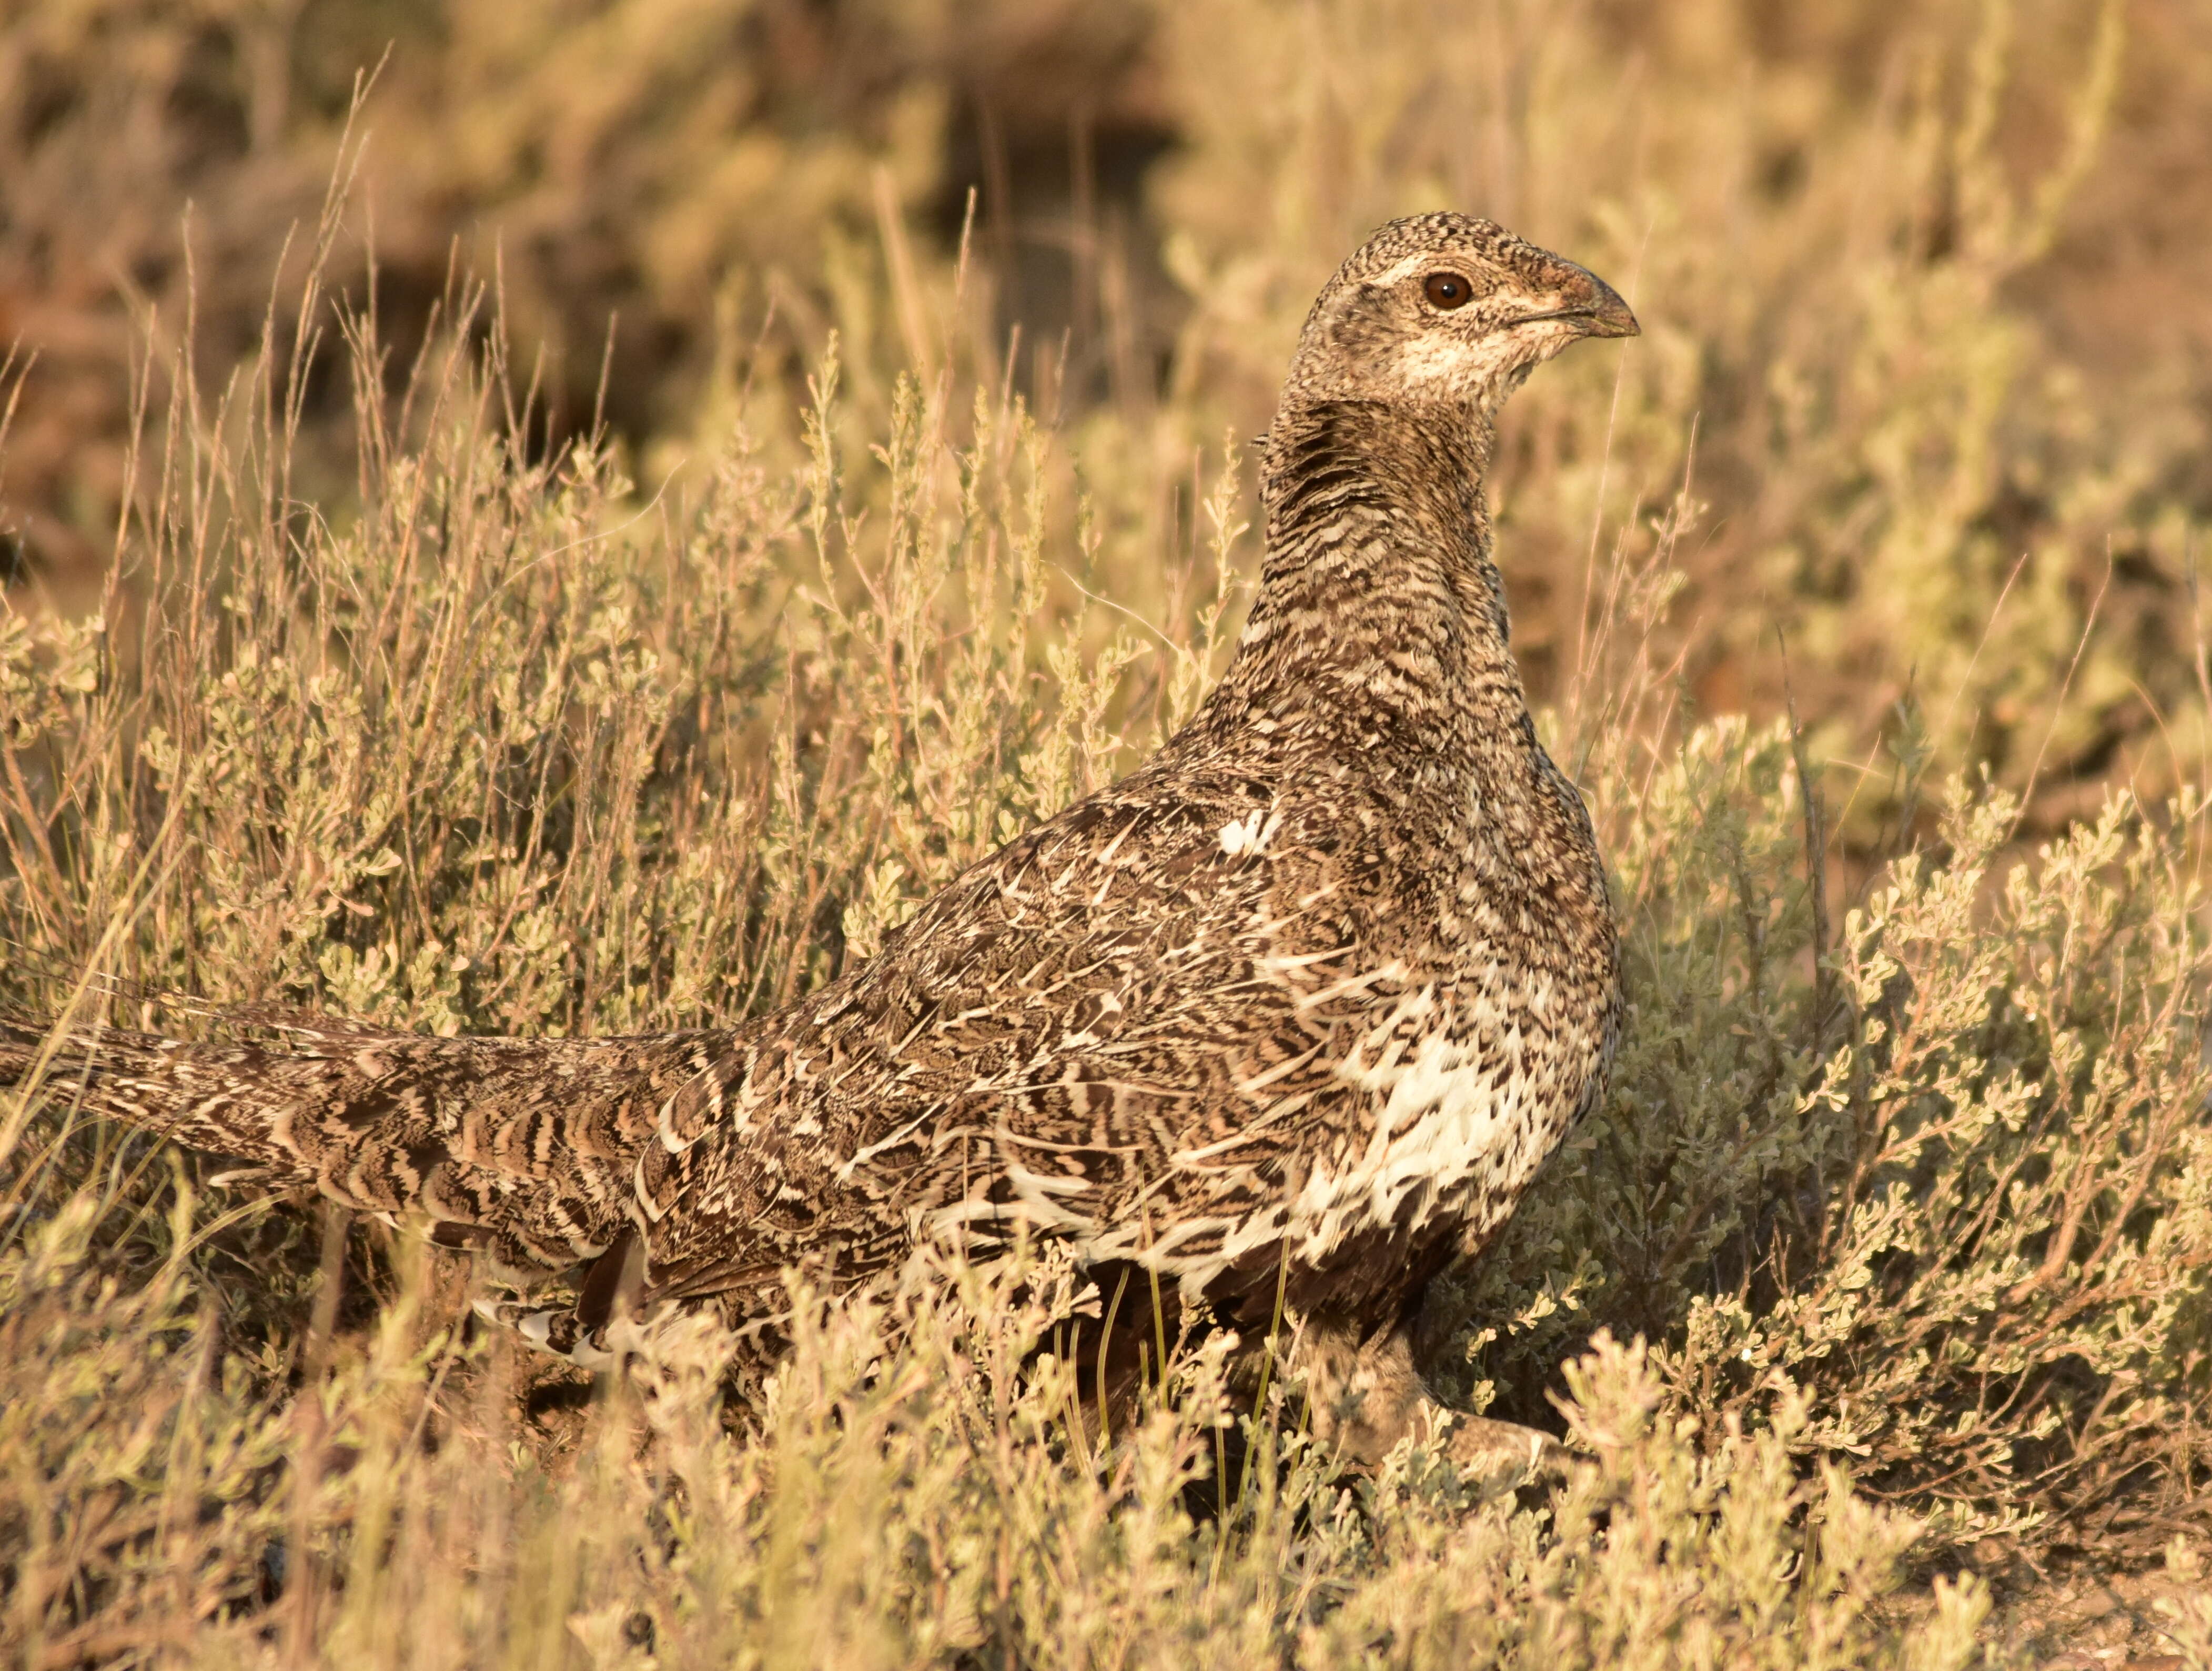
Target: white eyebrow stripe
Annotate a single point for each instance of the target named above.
(1405, 267)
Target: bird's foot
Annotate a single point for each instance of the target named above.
(1504, 1456)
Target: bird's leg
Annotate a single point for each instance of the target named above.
(1366, 1396)
(1363, 1396)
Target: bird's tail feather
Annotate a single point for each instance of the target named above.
(527, 1147)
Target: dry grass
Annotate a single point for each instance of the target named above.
(397, 704)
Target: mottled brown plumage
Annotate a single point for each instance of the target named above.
(1302, 1002)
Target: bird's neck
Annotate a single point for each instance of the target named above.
(1380, 620)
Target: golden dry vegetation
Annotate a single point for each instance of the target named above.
(389, 633)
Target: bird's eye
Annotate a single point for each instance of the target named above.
(1447, 290)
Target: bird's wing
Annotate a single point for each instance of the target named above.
(1116, 1030)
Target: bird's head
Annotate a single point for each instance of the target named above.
(1446, 309)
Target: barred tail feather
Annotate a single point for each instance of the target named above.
(527, 1147)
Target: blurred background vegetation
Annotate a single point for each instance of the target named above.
(1926, 381)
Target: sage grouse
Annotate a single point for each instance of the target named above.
(1285, 1019)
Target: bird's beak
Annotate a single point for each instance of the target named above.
(1588, 302)
(1606, 314)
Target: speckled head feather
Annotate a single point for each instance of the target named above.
(1375, 332)
(1293, 1013)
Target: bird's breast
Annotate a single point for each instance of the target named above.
(1455, 1117)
